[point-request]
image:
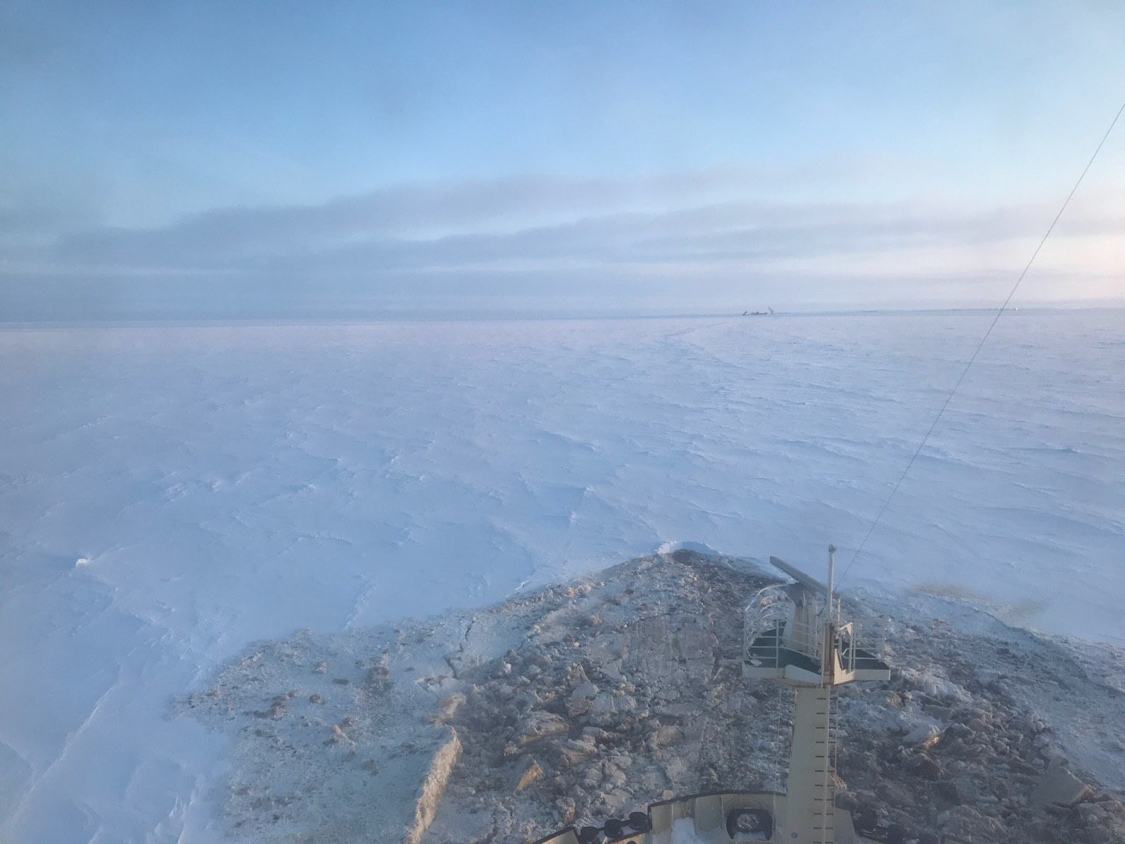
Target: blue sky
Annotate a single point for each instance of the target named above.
(260, 158)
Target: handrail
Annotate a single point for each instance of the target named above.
(766, 616)
(765, 636)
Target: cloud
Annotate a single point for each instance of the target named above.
(543, 237)
(418, 210)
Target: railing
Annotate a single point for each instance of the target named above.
(870, 639)
(765, 636)
(764, 629)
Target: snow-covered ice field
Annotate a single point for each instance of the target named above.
(168, 494)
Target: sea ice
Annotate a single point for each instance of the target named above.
(171, 493)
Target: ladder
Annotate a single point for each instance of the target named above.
(824, 766)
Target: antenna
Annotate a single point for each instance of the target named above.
(831, 579)
(799, 576)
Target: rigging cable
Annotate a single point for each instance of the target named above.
(980, 345)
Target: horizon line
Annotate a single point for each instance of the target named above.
(514, 315)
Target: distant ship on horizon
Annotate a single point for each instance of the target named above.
(766, 312)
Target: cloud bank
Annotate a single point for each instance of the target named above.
(690, 242)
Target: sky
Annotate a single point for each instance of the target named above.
(254, 159)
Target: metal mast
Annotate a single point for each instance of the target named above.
(811, 651)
